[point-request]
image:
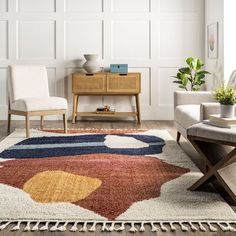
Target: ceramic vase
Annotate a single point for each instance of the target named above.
(91, 65)
(226, 111)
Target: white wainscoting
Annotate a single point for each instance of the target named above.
(153, 36)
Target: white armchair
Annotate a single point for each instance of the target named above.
(191, 108)
(29, 96)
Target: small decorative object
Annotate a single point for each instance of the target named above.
(112, 109)
(91, 65)
(216, 120)
(119, 68)
(191, 74)
(226, 96)
(105, 110)
(212, 37)
(100, 109)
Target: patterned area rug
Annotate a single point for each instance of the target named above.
(108, 177)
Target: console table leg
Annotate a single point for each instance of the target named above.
(75, 108)
(41, 122)
(138, 108)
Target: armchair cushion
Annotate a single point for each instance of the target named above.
(39, 104)
(187, 115)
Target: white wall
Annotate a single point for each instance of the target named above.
(229, 37)
(214, 12)
(222, 11)
(153, 36)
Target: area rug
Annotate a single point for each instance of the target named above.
(76, 181)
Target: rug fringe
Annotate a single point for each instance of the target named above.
(109, 226)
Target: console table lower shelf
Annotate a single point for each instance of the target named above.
(76, 113)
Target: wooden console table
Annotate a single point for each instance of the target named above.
(106, 84)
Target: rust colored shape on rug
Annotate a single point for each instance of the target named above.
(125, 179)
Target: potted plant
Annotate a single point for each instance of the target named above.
(191, 77)
(226, 96)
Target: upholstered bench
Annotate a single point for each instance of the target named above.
(217, 146)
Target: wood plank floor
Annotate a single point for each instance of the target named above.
(112, 125)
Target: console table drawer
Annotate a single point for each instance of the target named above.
(125, 83)
(88, 83)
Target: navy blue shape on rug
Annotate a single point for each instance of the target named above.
(59, 146)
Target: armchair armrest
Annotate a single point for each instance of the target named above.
(209, 108)
(192, 98)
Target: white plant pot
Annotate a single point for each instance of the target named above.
(91, 65)
(226, 111)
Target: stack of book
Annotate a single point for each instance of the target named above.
(216, 120)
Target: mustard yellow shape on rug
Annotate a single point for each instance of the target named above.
(60, 186)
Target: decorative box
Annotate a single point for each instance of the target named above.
(119, 68)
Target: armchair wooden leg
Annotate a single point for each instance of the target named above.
(75, 108)
(27, 125)
(178, 136)
(65, 122)
(9, 123)
(41, 122)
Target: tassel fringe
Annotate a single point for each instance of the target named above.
(193, 227)
(154, 228)
(110, 226)
(93, 228)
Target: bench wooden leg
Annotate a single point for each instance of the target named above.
(178, 137)
(218, 159)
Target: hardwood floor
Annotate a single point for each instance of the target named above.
(168, 125)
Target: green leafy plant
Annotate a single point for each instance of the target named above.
(225, 95)
(192, 74)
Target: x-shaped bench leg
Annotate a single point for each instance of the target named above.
(213, 169)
